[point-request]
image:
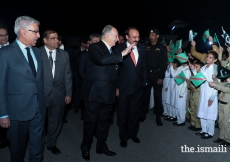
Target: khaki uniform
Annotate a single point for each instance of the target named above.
(202, 56)
(224, 110)
(224, 63)
(194, 100)
(188, 116)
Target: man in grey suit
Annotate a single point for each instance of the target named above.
(22, 100)
(57, 86)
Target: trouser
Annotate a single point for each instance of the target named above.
(54, 123)
(158, 107)
(224, 125)
(96, 120)
(194, 99)
(188, 115)
(129, 111)
(208, 126)
(18, 134)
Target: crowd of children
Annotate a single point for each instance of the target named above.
(200, 102)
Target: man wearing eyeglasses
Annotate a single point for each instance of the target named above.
(57, 86)
(3, 36)
(3, 42)
(22, 100)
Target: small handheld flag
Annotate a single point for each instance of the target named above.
(179, 79)
(206, 35)
(198, 79)
(192, 35)
(182, 57)
(226, 37)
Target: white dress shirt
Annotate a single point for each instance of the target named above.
(135, 51)
(53, 57)
(62, 47)
(4, 44)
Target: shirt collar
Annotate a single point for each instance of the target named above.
(62, 47)
(47, 50)
(21, 45)
(107, 45)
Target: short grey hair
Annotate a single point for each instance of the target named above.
(106, 30)
(94, 35)
(24, 22)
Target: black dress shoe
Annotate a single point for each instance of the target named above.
(172, 119)
(108, 153)
(54, 150)
(218, 140)
(197, 129)
(86, 156)
(176, 124)
(191, 127)
(158, 120)
(223, 143)
(206, 136)
(136, 140)
(123, 143)
(200, 134)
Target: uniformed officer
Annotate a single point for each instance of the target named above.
(156, 55)
(224, 108)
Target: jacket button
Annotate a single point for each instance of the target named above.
(35, 94)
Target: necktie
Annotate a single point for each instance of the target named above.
(133, 57)
(31, 62)
(111, 51)
(51, 59)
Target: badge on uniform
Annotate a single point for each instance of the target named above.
(158, 49)
(148, 48)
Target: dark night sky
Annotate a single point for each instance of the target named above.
(85, 17)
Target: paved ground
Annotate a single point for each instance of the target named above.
(158, 144)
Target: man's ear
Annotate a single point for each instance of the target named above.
(45, 40)
(157, 36)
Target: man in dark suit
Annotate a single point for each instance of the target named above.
(3, 42)
(57, 86)
(22, 101)
(98, 91)
(131, 83)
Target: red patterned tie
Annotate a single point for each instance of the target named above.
(133, 57)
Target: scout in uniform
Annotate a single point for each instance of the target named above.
(224, 108)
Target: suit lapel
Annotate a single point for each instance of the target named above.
(105, 49)
(38, 62)
(57, 63)
(139, 55)
(45, 59)
(18, 52)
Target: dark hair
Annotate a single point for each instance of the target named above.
(3, 27)
(94, 35)
(130, 28)
(201, 64)
(83, 40)
(47, 33)
(226, 54)
(175, 61)
(215, 56)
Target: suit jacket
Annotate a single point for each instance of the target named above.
(61, 85)
(21, 94)
(82, 63)
(132, 77)
(100, 79)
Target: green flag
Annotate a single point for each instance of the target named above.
(178, 44)
(222, 72)
(198, 79)
(206, 35)
(215, 39)
(179, 79)
(170, 59)
(182, 57)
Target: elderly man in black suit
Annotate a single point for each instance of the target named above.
(131, 84)
(98, 91)
(22, 100)
(57, 86)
